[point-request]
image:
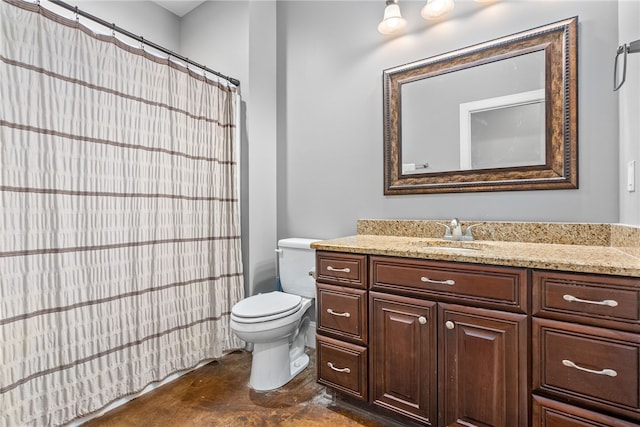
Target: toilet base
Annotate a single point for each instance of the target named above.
(274, 364)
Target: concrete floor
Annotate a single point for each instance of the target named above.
(218, 395)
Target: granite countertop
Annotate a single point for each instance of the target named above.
(583, 258)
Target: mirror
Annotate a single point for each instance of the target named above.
(500, 115)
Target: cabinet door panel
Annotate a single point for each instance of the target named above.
(483, 367)
(403, 366)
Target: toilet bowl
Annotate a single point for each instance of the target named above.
(276, 322)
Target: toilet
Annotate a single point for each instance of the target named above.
(276, 322)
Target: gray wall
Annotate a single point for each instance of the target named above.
(629, 121)
(330, 159)
(238, 38)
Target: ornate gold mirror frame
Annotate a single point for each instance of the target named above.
(558, 42)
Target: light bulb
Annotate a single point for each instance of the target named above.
(436, 8)
(392, 22)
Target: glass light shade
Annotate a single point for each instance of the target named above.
(436, 8)
(392, 21)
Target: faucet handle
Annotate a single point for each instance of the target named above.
(447, 231)
(467, 232)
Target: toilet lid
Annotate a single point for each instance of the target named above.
(273, 305)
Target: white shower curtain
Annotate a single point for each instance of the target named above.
(119, 218)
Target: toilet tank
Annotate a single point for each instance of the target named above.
(296, 259)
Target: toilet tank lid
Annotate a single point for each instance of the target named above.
(296, 242)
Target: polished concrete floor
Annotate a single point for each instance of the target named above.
(218, 395)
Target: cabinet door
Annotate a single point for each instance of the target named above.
(483, 363)
(403, 357)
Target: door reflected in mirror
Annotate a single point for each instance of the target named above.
(501, 115)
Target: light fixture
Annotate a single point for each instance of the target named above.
(392, 22)
(436, 8)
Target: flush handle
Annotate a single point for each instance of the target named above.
(607, 372)
(346, 314)
(345, 370)
(449, 282)
(339, 270)
(607, 302)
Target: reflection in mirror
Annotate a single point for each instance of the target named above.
(500, 115)
(432, 108)
(507, 131)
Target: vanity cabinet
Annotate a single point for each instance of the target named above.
(586, 359)
(454, 344)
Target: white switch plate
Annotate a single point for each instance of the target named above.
(631, 176)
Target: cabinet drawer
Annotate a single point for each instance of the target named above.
(342, 269)
(549, 413)
(492, 287)
(590, 365)
(342, 366)
(342, 312)
(597, 300)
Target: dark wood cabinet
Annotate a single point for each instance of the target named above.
(453, 344)
(483, 358)
(403, 372)
(341, 342)
(586, 349)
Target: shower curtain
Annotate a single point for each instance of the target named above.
(119, 218)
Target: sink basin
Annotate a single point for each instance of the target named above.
(451, 246)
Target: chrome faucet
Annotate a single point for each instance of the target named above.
(454, 231)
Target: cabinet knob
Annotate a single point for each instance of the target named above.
(422, 320)
(449, 324)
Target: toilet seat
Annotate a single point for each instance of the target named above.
(265, 307)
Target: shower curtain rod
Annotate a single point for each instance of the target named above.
(142, 40)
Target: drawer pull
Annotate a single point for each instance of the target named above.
(345, 370)
(345, 314)
(608, 372)
(438, 282)
(340, 270)
(608, 302)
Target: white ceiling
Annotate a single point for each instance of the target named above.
(179, 7)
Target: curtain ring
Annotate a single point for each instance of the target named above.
(113, 29)
(77, 15)
(141, 42)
